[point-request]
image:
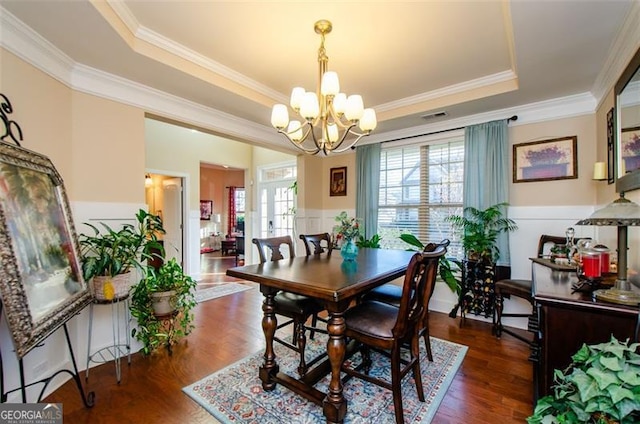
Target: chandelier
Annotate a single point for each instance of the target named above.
(329, 117)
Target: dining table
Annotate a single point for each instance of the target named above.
(337, 284)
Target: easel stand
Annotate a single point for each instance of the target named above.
(88, 400)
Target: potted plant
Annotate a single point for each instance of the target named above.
(602, 385)
(162, 303)
(478, 231)
(348, 232)
(108, 257)
(448, 268)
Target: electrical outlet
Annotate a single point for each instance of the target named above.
(41, 368)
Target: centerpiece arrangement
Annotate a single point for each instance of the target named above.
(347, 231)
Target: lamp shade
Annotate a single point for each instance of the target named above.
(621, 212)
(279, 116)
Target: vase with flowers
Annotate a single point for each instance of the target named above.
(347, 231)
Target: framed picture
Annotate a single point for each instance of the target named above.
(554, 159)
(611, 147)
(206, 208)
(338, 181)
(41, 281)
(630, 149)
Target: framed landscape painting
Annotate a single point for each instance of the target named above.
(41, 281)
(630, 148)
(554, 159)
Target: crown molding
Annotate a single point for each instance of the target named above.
(34, 49)
(102, 84)
(560, 108)
(478, 83)
(143, 35)
(620, 53)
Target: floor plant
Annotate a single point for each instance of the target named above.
(163, 330)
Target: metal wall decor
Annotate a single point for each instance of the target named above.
(611, 147)
(9, 125)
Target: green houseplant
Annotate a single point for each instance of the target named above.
(108, 256)
(167, 283)
(602, 385)
(479, 230)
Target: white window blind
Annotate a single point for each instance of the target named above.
(420, 185)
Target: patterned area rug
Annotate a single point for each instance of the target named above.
(219, 291)
(235, 394)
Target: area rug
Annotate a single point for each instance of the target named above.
(219, 291)
(235, 394)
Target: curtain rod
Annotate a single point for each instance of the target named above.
(513, 118)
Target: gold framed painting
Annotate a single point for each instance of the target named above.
(547, 160)
(41, 282)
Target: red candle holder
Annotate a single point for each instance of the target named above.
(591, 267)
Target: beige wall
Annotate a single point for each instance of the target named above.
(42, 108)
(580, 191)
(170, 148)
(108, 150)
(313, 182)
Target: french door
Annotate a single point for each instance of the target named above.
(277, 209)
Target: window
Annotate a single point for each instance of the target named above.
(420, 185)
(240, 208)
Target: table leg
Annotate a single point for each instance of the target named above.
(269, 367)
(334, 405)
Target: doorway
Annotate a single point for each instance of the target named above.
(164, 195)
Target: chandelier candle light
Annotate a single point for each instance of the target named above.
(330, 117)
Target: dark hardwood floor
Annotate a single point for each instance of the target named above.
(493, 385)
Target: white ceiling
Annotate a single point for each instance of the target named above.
(235, 59)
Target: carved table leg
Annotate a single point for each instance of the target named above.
(269, 367)
(334, 405)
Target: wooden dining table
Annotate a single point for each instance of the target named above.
(334, 282)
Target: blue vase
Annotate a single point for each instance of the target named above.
(349, 250)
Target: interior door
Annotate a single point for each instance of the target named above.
(172, 218)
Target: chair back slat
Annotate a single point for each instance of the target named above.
(274, 246)
(316, 243)
(417, 288)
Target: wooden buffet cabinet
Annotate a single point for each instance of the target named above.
(566, 320)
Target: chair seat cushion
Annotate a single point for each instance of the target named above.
(518, 288)
(371, 318)
(386, 293)
(291, 304)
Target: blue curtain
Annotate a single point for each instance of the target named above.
(486, 171)
(368, 187)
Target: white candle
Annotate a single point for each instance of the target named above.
(600, 171)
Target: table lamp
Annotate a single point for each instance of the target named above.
(620, 213)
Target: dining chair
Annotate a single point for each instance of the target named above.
(507, 287)
(296, 307)
(392, 294)
(387, 329)
(319, 243)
